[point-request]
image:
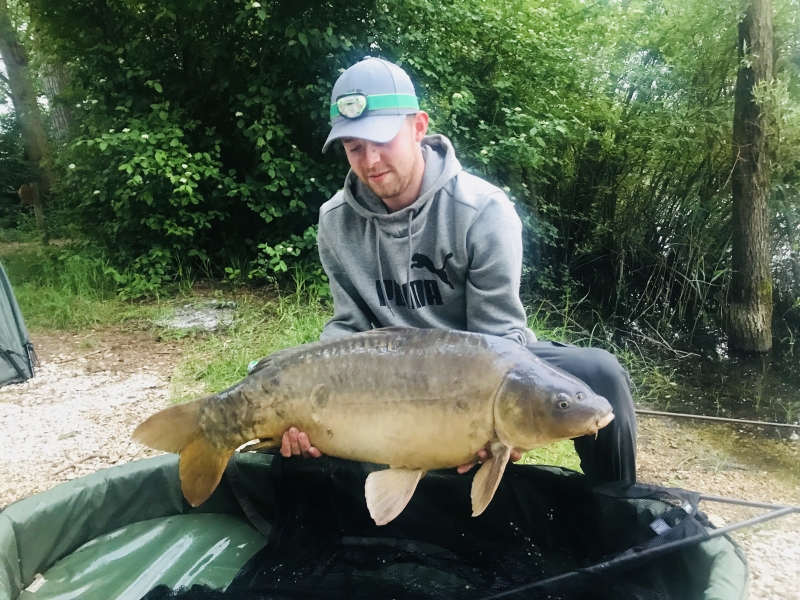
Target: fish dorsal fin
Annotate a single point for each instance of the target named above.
(389, 491)
(488, 478)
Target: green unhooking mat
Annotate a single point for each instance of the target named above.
(126, 533)
(118, 533)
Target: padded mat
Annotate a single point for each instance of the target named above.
(178, 551)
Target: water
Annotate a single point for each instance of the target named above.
(713, 382)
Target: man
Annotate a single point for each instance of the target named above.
(413, 240)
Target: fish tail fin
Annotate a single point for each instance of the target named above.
(177, 429)
(171, 429)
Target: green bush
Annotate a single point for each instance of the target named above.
(202, 122)
(609, 125)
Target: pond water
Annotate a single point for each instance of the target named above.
(715, 383)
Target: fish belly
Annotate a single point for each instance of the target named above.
(427, 434)
(424, 407)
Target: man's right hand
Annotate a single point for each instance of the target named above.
(296, 443)
(485, 454)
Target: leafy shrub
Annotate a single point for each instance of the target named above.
(608, 124)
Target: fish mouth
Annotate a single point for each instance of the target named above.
(600, 423)
(605, 420)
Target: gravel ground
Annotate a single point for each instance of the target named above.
(77, 414)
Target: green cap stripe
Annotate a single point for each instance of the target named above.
(379, 101)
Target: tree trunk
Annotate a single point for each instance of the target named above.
(750, 315)
(27, 110)
(29, 194)
(54, 81)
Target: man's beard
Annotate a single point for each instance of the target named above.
(394, 189)
(401, 180)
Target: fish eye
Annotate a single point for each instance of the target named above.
(563, 404)
(580, 395)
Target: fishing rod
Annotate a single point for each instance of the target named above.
(659, 413)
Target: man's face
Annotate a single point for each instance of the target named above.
(389, 169)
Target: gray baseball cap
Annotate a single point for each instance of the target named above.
(370, 101)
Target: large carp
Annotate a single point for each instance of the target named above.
(414, 399)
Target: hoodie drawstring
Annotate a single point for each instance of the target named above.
(382, 284)
(410, 299)
(409, 296)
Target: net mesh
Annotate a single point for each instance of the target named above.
(542, 522)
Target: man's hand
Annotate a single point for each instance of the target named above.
(296, 443)
(485, 454)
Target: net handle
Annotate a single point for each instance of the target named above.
(629, 556)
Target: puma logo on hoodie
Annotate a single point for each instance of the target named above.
(420, 261)
(424, 292)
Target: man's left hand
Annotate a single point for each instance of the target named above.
(296, 443)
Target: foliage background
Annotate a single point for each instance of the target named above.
(200, 125)
(13, 171)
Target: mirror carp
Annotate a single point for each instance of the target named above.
(413, 399)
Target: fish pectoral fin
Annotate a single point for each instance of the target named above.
(200, 469)
(389, 491)
(488, 478)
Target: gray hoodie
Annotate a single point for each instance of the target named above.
(462, 261)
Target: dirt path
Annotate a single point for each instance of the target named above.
(94, 388)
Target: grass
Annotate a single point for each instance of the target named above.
(651, 380)
(62, 289)
(18, 236)
(261, 327)
(560, 454)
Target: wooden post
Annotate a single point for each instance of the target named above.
(29, 194)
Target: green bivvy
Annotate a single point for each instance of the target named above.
(279, 529)
(16, 352)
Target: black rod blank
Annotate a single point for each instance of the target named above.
(659, 413)
(750, 503)
(632, 556)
